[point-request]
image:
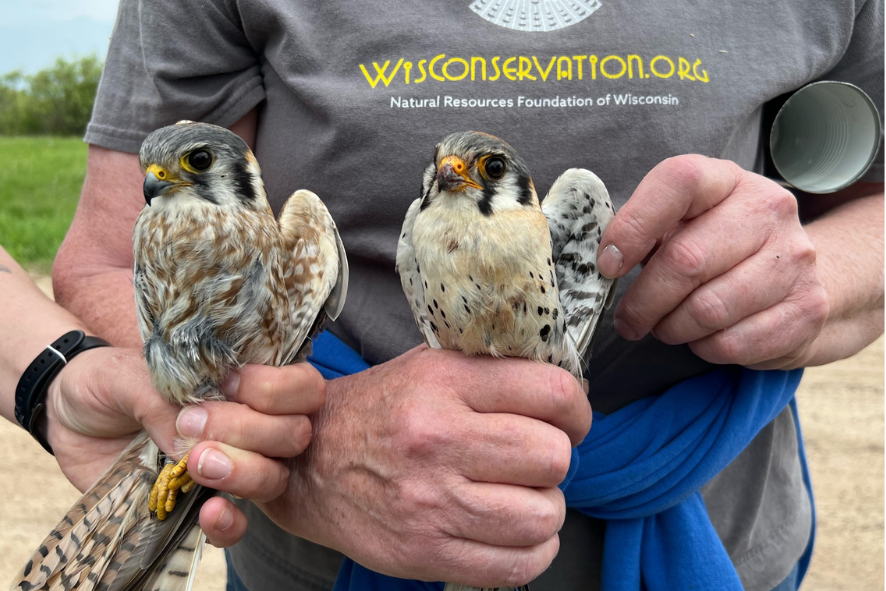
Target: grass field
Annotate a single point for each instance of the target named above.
(40, 180)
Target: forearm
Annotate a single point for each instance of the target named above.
(849, 246)
(92, 274)
(29, 322)
(103, 298)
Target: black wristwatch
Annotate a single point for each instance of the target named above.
(35, 381)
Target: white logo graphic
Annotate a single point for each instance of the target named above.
(535, 15)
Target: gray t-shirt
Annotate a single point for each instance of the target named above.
(353, 95)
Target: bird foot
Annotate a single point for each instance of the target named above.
(174, 478)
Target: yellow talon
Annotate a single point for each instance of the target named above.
(172, 479)
(180, 468)
(177, 483)
(170, 500)
(155, 491)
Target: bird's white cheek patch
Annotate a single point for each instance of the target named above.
(506, 197)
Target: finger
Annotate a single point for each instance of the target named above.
(291, 389)
(678, 188)
(510, 449)
(502, 515)
(754, 285)
(223, 522)
(495, 566)
(714, 243)
(241, 473)
(781, 332)
(277, 436)
(518, 386)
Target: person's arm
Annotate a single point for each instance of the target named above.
(29, 322)
(849, 241)
(734, 273)
(102, 397)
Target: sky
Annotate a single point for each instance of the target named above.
(33, 33)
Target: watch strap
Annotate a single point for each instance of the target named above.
(34, 383)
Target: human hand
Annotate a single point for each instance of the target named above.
(439, 466)
(103, 397)
(733, 272)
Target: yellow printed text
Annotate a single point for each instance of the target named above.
(533, 68)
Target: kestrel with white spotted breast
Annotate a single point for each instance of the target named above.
(489, 270)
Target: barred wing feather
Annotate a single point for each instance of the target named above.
(578, 210)
(108, 540)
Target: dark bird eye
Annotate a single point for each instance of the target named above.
(200, 159)
(495, 168)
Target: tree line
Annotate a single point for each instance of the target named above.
(54, 101)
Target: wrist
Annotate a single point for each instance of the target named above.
(308, 483)
(842, 338)
(312, 507)
(849, 246)
(20, 348)
(41, 372)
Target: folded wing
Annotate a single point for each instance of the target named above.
(578, 210)
(315, 275)
(109, 540)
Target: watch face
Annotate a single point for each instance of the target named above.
(537, 15)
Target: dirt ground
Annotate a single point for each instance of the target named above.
(841, 413)
(841, 407)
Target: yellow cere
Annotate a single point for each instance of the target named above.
(159, 172)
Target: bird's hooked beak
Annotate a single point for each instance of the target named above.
(452, 175)
(157, 182)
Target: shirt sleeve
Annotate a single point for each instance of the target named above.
(170, 60)
(862, 65)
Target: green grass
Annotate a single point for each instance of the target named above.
(40, 181)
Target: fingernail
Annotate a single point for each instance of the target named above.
(610, 261)
(191, 421)
(230, 385)
(225, 519)
(624, 330)
(213, 464)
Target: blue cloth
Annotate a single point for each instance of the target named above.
(333, 359)
(641, 468)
